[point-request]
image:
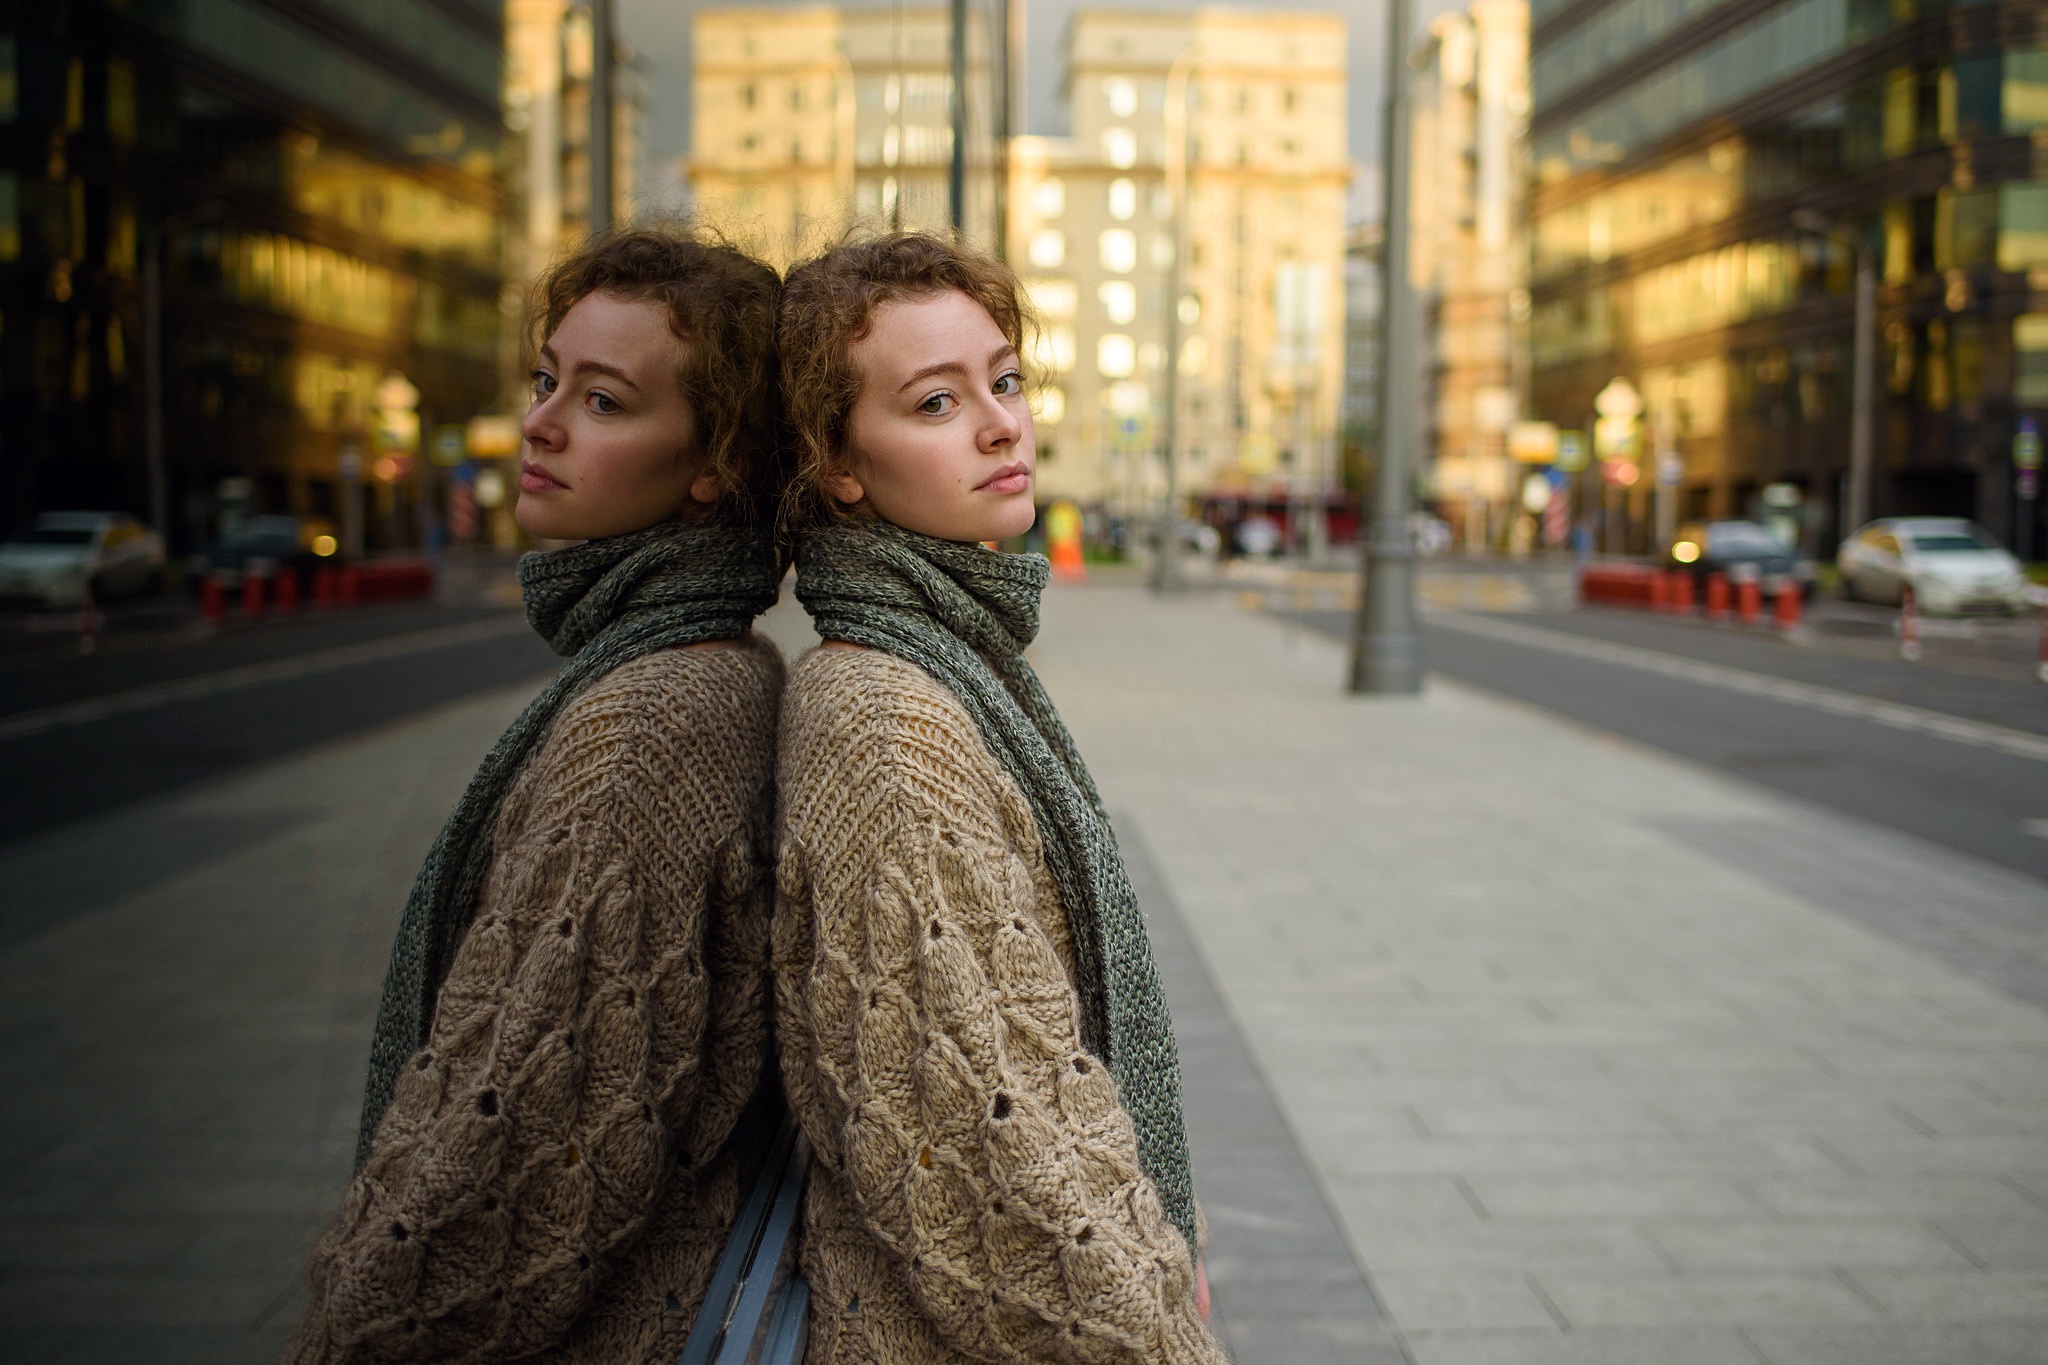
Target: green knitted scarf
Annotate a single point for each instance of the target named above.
(602, 604)
(965, 615)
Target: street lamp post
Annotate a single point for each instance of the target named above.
(1863, 379)
(956, 176)
(1166, 563)
(601, 98)
(1386, 647)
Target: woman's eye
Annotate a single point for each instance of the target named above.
(1009, 384)
(603, 403)
(938, 403)
(543, 384)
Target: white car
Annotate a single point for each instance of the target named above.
(1952, 566)
(50, 563)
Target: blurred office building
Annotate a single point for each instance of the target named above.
(1223, 132)
(1708, 176)
(250, 256)
(810, 121)
(548, 50)
(1468, 262)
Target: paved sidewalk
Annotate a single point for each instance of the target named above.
(1581, 1085)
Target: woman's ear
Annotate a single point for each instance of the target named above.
(844, 486)
(704, 488)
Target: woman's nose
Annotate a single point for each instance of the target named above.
(1001, 426)
(540, 427)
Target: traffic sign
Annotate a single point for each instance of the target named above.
(1571, 451)
(451, 445)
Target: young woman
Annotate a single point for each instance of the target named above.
(970, 1026)
(576, 1011)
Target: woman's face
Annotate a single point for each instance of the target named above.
(941, 434)
(608, 436)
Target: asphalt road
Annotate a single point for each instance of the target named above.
(87, 735)
(1958, 761)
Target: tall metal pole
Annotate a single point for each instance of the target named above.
(1386, 646)
(1861, 395)
(1166, 566)
(601, 103)
(956, 177)
(153, 388)
(1005, 101)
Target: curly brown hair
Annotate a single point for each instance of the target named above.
(828, 304)
(721, 305)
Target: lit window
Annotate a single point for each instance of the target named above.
(1194, 356)
(1116, 355)
(1162, 251)
(1052, 404)
(1122, 97)
(1119, 247)
(1123, 199)
(1052, 298)
(1052, 349)
(1119, 148)
(1049, 197)
(1119, 302)
(1048, 248)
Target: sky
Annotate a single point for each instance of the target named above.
(660, 30)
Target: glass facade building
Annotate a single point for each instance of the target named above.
(1674, 146)
(228, 229)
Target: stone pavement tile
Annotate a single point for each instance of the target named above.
(36, 1345)
(65, 1243)
(1263, 1337)
(1501, 1247)
(1615, 1116)
(1958, 1296)
(1805, 1245)
(1928, 1194)
(1553, 1196)
(1595, 1299)
(1528, 1156)
(1999, 1343)
(2016, 1242)
(1422, 1298)
(172, 1345)
(1998, 1154)
(1583, 1346)
(90, 1300)
(1380, 1200)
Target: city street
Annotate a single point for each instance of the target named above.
(1511, 1033)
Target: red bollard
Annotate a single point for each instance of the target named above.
(1681, 593)
(213, 600)
(2041, 670)
(1660, 590)
(287, 589)
(252, 594)
(323, 586)
(1749, 601)
(1909, 626)
(1717, 596)
(1788, 606)
(348, 586)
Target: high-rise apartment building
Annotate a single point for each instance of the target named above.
(1707, 175)
(1244, 114)
(244, 244)
(809, 121)
(1468, 259)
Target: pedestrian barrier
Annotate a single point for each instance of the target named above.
(213, 600)
(1717, 597)
(1789, 605)
(1749, 601)
(1682, 593)
(287, 590)
(1629, 585)
(324, 586)
(253, 585)
(387, 580)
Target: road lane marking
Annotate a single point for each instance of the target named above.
(253, 675)
(1896, 715)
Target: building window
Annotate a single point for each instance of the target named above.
(1049, 197)
(1119, 148)
(2023, 225)
(1051, 408)
(1116, 355)
(2030, 360)
(1048, 250)
(1053, 298)
(749, 96)
(1053, 349)
(1122, 97)
(1123, 199)
(1119, 251)
(1119, 299)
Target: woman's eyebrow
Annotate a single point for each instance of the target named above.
(547, 353)
(1000, 353)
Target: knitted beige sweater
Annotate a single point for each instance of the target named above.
(553, 1180)
(976, 1194)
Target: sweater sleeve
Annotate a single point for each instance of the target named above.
(529, 1140)
(982, 1144)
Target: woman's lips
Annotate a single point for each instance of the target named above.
(1015, 479)
(534, 479)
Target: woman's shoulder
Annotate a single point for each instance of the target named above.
(721, 683)
(847, 694)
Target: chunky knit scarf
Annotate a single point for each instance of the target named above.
(965, 615)
(602, 604)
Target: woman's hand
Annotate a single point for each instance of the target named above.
(1202, 1290)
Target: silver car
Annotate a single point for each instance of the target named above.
(51, 563)
(1952, 565)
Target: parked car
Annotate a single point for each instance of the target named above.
(1740, 550)
(272, 544)
(1952, 565)
(53, 562)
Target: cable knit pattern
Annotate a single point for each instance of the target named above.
(976, 1193)
(554, 1178)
